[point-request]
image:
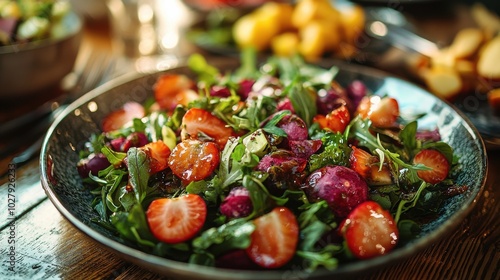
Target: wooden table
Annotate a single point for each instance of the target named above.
(47, 246)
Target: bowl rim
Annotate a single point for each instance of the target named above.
(162, 265)
(74, 29)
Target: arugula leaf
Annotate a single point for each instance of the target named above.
(230, 170)
(114, 184)
(138, 125)
(206, 73)
(133, 226)
(203, 258)
(271, 125)
(408, 229)
(324, 258)
(210, 190)
(335, 151)
(318, 77)
(443, 147)
(157, 128)
(408, 137)
(97, 142)
(115, 158)
(109, 179)
(303, 101)
(314, 212)
(138, 167)
(197, 187)
(175, 120)
(179, 251)
(262, 200)
(256, 111)
(406, 204)
(248, 68)
(234, 234)
(315, 221)
(125, 198)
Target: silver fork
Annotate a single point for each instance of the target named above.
(98, 68)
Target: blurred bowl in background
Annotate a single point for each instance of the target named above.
(208, 5)
(90, 9)
(29, 68)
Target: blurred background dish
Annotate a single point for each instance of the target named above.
(456, 65)
(210, 5)
(90, 9)
(32, 65)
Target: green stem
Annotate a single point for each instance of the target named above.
(413, 200)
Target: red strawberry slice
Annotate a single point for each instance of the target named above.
(117, 119)
(274, 241)
(368, 166)
(197, 123)
(435, 160)
(335, 121)
(158, 153)
(382, 112)
(370, 231)
(173, 89)
(175, 220)
(361, 161)
(380, 176)
(194, 160)
(339, 118)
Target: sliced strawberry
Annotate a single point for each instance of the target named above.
(368, 166)
(380, 176)
(198, 123)
(321, 121)
(364, 107)
(435, 160)
(173, 89)
(369, 231)
(274, 241)
(118, 118)
(158, 153)
(336, 121)
(194, 160)
(361, 161)
(175, 220)
(382, 112)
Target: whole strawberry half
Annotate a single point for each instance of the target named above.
(369, 231)
(382, 112)
(194, 160)
(117, 119)
(198, 123)
(274, 241)
(175, 220)
(436, 161)
(158, 153)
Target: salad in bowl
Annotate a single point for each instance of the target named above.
(264, 168)
(276, 168)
